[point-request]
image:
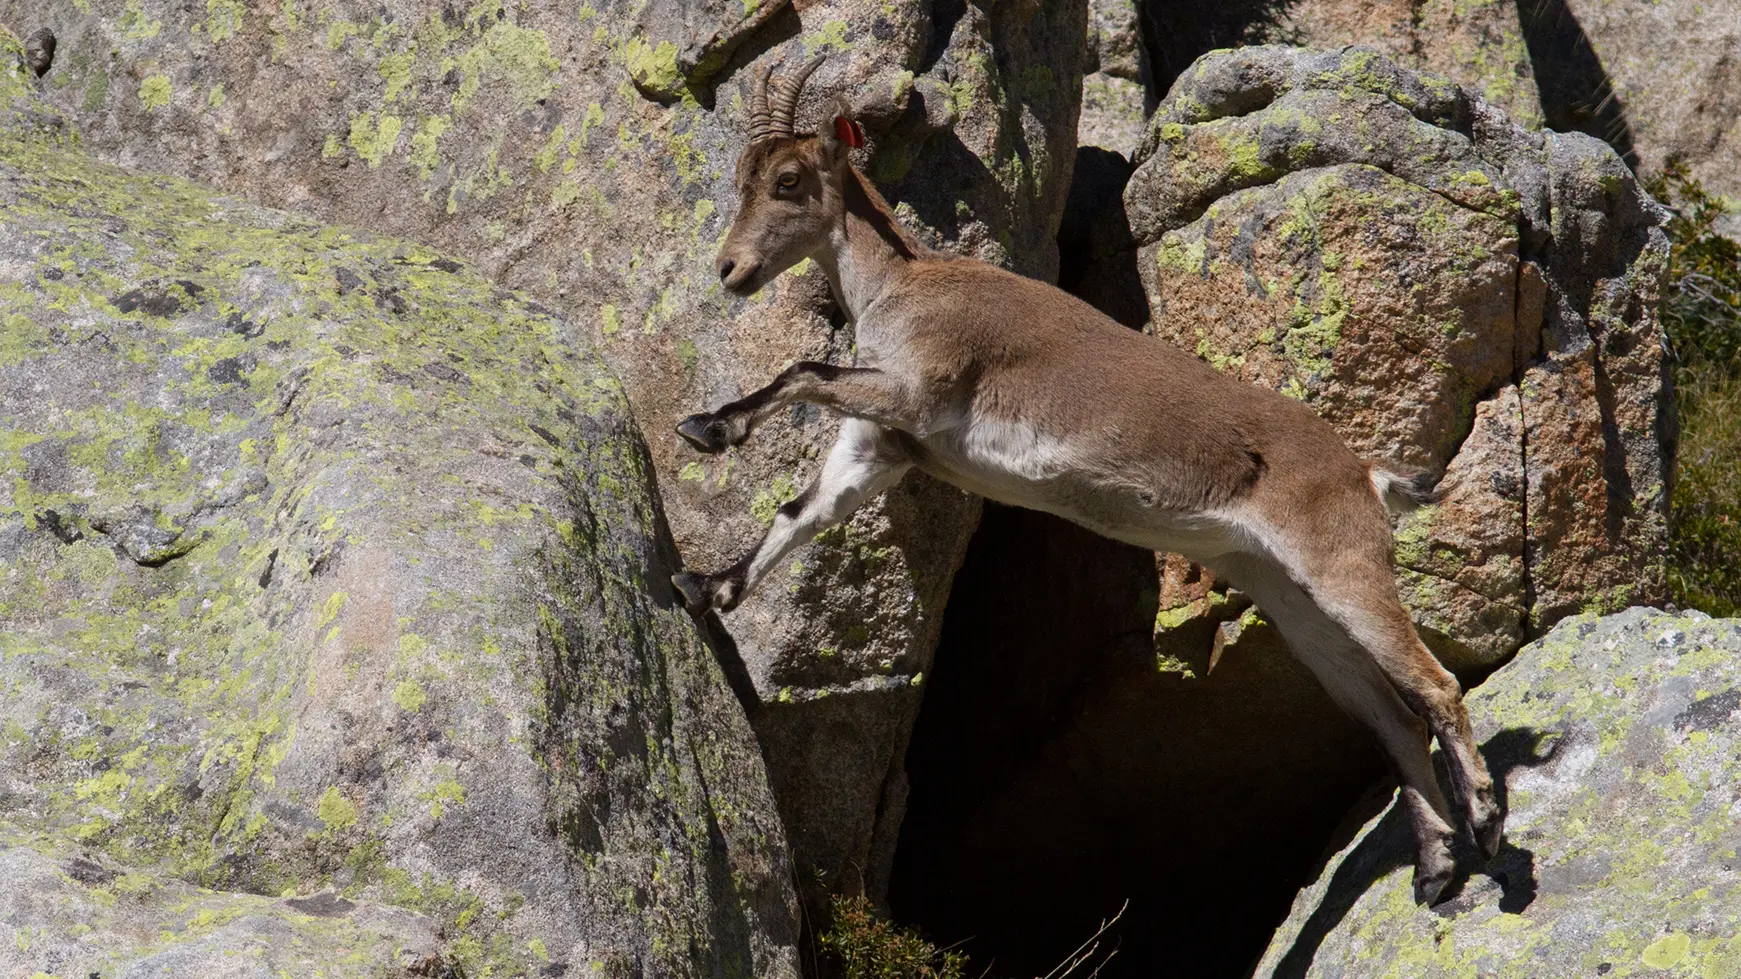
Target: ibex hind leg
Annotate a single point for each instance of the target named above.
(1356, 684)
(1378, 620)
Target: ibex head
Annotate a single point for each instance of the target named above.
(789, 185)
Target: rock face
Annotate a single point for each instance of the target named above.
(326, 565)
(1657, 79)
(1118, 90)
(75, 916)
(1139, 48)
(586, 155)
(1663, 79)
(1478, 44)
(1617, 742)
(1446, 288)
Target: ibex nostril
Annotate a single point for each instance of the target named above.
(725, 268)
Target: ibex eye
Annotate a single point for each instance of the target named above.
(788, 181)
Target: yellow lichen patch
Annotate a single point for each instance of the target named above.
(410, 696)
(374, 138)
(336, 811)
(447, 792)
(1666, 952)
(224, 18)
(426, 144)
(518, 57)
(395, 70)
(653, 66)
(155, 92)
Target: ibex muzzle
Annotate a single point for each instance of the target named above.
(1009, 388)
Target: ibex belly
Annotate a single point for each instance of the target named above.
(1013, 463)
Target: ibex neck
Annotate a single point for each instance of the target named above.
(866, 248)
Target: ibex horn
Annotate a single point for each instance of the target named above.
(761, 120)
(786, 92)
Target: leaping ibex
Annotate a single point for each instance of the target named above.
(1012, 389)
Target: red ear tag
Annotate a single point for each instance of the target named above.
(848, 132)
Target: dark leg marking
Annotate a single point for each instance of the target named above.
(722, 590)
(714, 432)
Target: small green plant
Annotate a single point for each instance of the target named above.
(1701, 307)
(1705, 528)
(868, 946)
(1701, 314)
(865, 945)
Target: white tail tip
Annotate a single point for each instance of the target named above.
(1402, 489)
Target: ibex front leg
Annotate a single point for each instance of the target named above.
(865, 460)
(858, 392)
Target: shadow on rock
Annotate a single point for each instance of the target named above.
(1510, 876)
(1577, 95)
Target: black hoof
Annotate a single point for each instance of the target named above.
(1488, 837)
(705, 433)
(1428, 889)
(697, 593)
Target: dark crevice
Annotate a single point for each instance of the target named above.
(1615, 473)
(1097, 256)
(1056, 772)
(1519, 366)
(945, 14)
(1577, 95)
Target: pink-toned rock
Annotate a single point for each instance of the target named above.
(1665, 75)
(1460, 563)
(1449, 290)
(1476, 43)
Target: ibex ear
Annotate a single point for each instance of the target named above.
(843, 134)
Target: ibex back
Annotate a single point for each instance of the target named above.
(1014, 390)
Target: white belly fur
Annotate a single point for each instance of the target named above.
(1013, 463)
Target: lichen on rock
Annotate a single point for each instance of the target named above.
(584, 154)
(72, 915)
(328, 565)
(1616, 740)
(1449, 290)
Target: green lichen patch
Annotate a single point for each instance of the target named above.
(1617, 739)
(155, 92)
(271, 563)
(653, 66)
(82, 916)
